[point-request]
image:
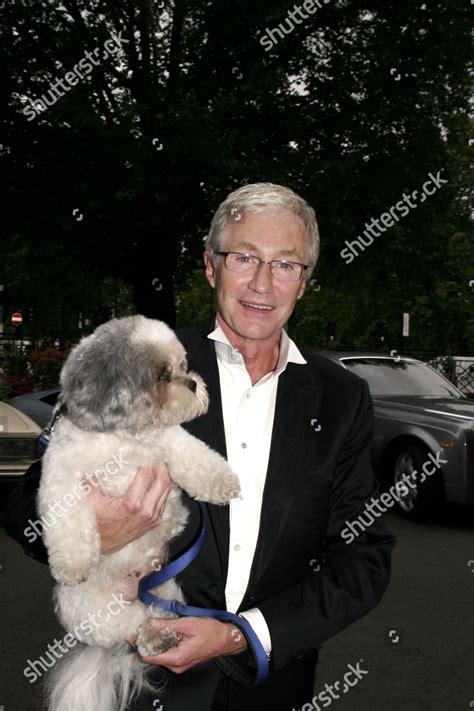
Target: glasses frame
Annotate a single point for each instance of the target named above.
(304, 267)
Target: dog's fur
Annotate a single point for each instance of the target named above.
(126, 389)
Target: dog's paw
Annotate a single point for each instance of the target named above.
(67, 575)
(72, 568)
(224, 488)
(152, 641)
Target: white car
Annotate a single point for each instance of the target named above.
(18, 441)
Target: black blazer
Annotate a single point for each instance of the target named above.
(319, 475)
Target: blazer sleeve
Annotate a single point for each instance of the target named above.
(21, 519)
(354, 575)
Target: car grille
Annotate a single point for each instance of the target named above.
(17, 448)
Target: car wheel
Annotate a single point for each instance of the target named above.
(418, 500)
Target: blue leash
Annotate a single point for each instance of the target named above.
(177, 566)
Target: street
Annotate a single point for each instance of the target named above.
(415, 651)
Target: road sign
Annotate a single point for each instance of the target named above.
(406, 325)
(17, 319)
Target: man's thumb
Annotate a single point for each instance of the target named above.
(160, 622)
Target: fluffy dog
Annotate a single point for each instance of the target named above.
(125, 390)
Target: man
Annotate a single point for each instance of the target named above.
(296, 428)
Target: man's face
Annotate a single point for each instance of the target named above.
(270, 235)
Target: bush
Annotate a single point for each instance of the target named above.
(15, 378)
(4, 388)
(45, 367)
(21, 373)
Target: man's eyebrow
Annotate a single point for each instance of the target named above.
(253, 248)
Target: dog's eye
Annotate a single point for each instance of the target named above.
(164, 374)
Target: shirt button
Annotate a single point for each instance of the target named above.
(243, 445)
(248, 394)
(236, 547)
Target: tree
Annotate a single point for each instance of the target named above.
(353, 106)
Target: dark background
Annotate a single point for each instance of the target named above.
(108, 193)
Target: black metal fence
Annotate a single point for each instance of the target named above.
(459, 370)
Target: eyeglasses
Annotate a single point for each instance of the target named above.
(248, 264)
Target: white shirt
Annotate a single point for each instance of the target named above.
(248, 411)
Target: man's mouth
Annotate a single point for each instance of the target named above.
(258, 307)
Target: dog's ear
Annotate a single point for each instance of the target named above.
(107, 378)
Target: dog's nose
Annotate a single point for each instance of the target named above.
(192, 385)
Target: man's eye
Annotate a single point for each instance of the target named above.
(245, 258)
(285, 266)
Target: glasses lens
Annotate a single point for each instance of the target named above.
(286, 271)
(240, 262)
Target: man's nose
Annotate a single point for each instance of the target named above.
(262, 280)
(192, 385)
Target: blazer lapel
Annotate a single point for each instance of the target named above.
(298, 400)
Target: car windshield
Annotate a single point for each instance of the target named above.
(388, 377)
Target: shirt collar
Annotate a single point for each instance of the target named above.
(289, 352)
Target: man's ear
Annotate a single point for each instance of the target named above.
(302, 288)
(210, 271)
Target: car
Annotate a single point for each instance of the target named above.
(38, 406)
(18, 442)
(420, 418)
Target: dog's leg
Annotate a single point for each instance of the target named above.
(197, 468)
(72, 539)
(98, 616)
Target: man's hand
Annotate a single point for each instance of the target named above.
(203, 639)
(122, 519)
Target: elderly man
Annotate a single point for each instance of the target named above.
(296, 428)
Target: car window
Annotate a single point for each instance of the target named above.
(389, 377)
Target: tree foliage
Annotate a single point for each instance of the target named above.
(119, 178)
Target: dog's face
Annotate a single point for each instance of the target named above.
(131, 373)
